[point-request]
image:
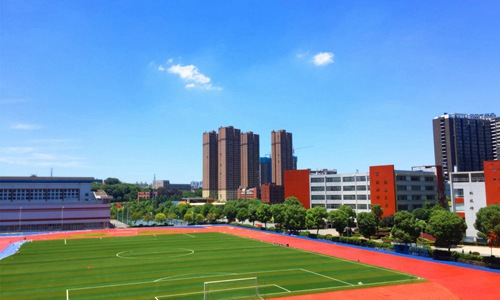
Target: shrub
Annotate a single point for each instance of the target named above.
(328, 237)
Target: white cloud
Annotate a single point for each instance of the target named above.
(323, 58)
(24, 126)
(191, 75)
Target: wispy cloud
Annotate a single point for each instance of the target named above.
(191, 75)
(38, 157)
(11, 101)
(24, 126)
(323, 58)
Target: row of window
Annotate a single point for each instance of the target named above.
(415, 188)
(340, 188)
(340, 197)
(337, 206)
(414, 178)
(340, 179)
(39, 194)
(416, 197)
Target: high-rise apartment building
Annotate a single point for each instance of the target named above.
(265, 170)
(282, 155)
(249, 160)
(495, 137)
(463, 141)
(229, 166)
(210, 165)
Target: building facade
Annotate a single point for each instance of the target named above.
(210, 165)
(462, 141)
(51, 203)
(229, 166)
(471, 191)
(282, 155)
(250, 150)
(394, 190)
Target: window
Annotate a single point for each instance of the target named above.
(402, 197)
(333, 179)
(349, 188)
(317, 197)
(415, 178)
(361, 188)
(333, 197)
(402, 207)
(360, 178)
(429, 179)
(429, 187)
(362, 206)
(416, 188)
(349, 197)
(400, 178)
(401, 187)
(348, 179)
(361, 197)
(317, 188)
(318, 179)
(333, 188)
(458, 192)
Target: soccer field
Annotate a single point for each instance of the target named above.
(176, 266)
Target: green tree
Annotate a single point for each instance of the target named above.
(205, 210)
(111, 181)
(405, 229)
(148, 217)
(199, 218)
(367, 224)
(421, 214)
(189, 217)
(447, 227)
(252, 212)
(160, 218)
(217, 212)
(278, 211)
(388, 221)
(264, 213)
(315, 217)
(292, 201)
(231, 210)
(242, 214)
(338, 219)
(488, 224)
(378, 212)
(295, 217)
(351, 214)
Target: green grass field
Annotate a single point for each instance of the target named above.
(176, 267)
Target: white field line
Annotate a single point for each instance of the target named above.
(340, 287)
(190, 235)
(356, 262)
(197, 293)
(280, 287)
(331, 278)
(176, 279)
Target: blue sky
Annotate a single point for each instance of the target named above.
(126, 88)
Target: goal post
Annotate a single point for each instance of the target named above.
(239, 288)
